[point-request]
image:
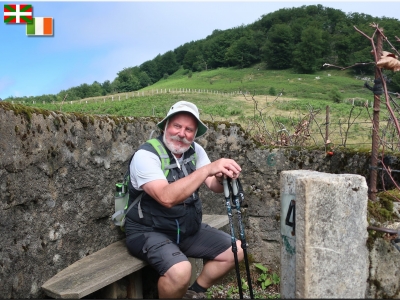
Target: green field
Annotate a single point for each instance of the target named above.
(278, 108)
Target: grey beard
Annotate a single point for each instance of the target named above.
(172, 148)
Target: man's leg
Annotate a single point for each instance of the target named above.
(165, 257)
(215, 246)
(175, 282)
(215, 269)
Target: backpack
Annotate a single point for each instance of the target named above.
(121, 197)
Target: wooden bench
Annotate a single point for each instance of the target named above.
(105, 267)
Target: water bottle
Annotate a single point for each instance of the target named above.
(120, 199)
(119, 189)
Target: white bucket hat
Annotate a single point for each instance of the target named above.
(184, 106)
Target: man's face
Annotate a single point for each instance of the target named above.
(180, 132)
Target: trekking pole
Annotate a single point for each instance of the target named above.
(236, 202)
(233, 239)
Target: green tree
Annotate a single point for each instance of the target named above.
(181, 51)
(151, 69)
(95, 89)
(308, 54)
(278, 49)
(167, 64)
(107, 88)
(83, 90)
(242, 52)
(190, 60)
(217, 44)
(144, 79)
(126, 81)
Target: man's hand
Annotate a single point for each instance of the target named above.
(218, 169)
(219, 177)
(224, 166)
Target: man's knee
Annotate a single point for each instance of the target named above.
(228, 255)
(179, 273)
(240, 250)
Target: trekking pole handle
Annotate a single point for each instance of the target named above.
(235, 188)
(226, 188)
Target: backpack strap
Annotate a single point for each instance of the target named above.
(162, 153)
(192, 158)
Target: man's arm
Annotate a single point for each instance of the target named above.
(214, 183)
(172, 194)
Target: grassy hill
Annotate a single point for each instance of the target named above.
(272, 105)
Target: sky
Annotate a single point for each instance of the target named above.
(94, 40)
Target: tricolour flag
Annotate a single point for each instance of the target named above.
(40, 26)
(17, 13)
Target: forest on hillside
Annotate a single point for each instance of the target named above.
(301, 39)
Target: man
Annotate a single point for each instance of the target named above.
(164, 227)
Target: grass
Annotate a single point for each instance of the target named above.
(258, 81)
(228, 287)
(242, 96)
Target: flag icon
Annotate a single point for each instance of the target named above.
(40, 26)
(17, 13)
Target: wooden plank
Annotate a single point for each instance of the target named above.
(216, 221)
(93, 272)
(104, 267)
(135, 288)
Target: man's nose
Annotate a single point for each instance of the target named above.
(181, 132)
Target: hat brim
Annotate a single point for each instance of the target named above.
(201, 127)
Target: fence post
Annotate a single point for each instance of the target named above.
(375, 126)
(327, 125)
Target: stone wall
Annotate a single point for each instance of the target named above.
(57, 176)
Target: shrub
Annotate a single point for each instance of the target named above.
(272, 91)
(336, 96)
